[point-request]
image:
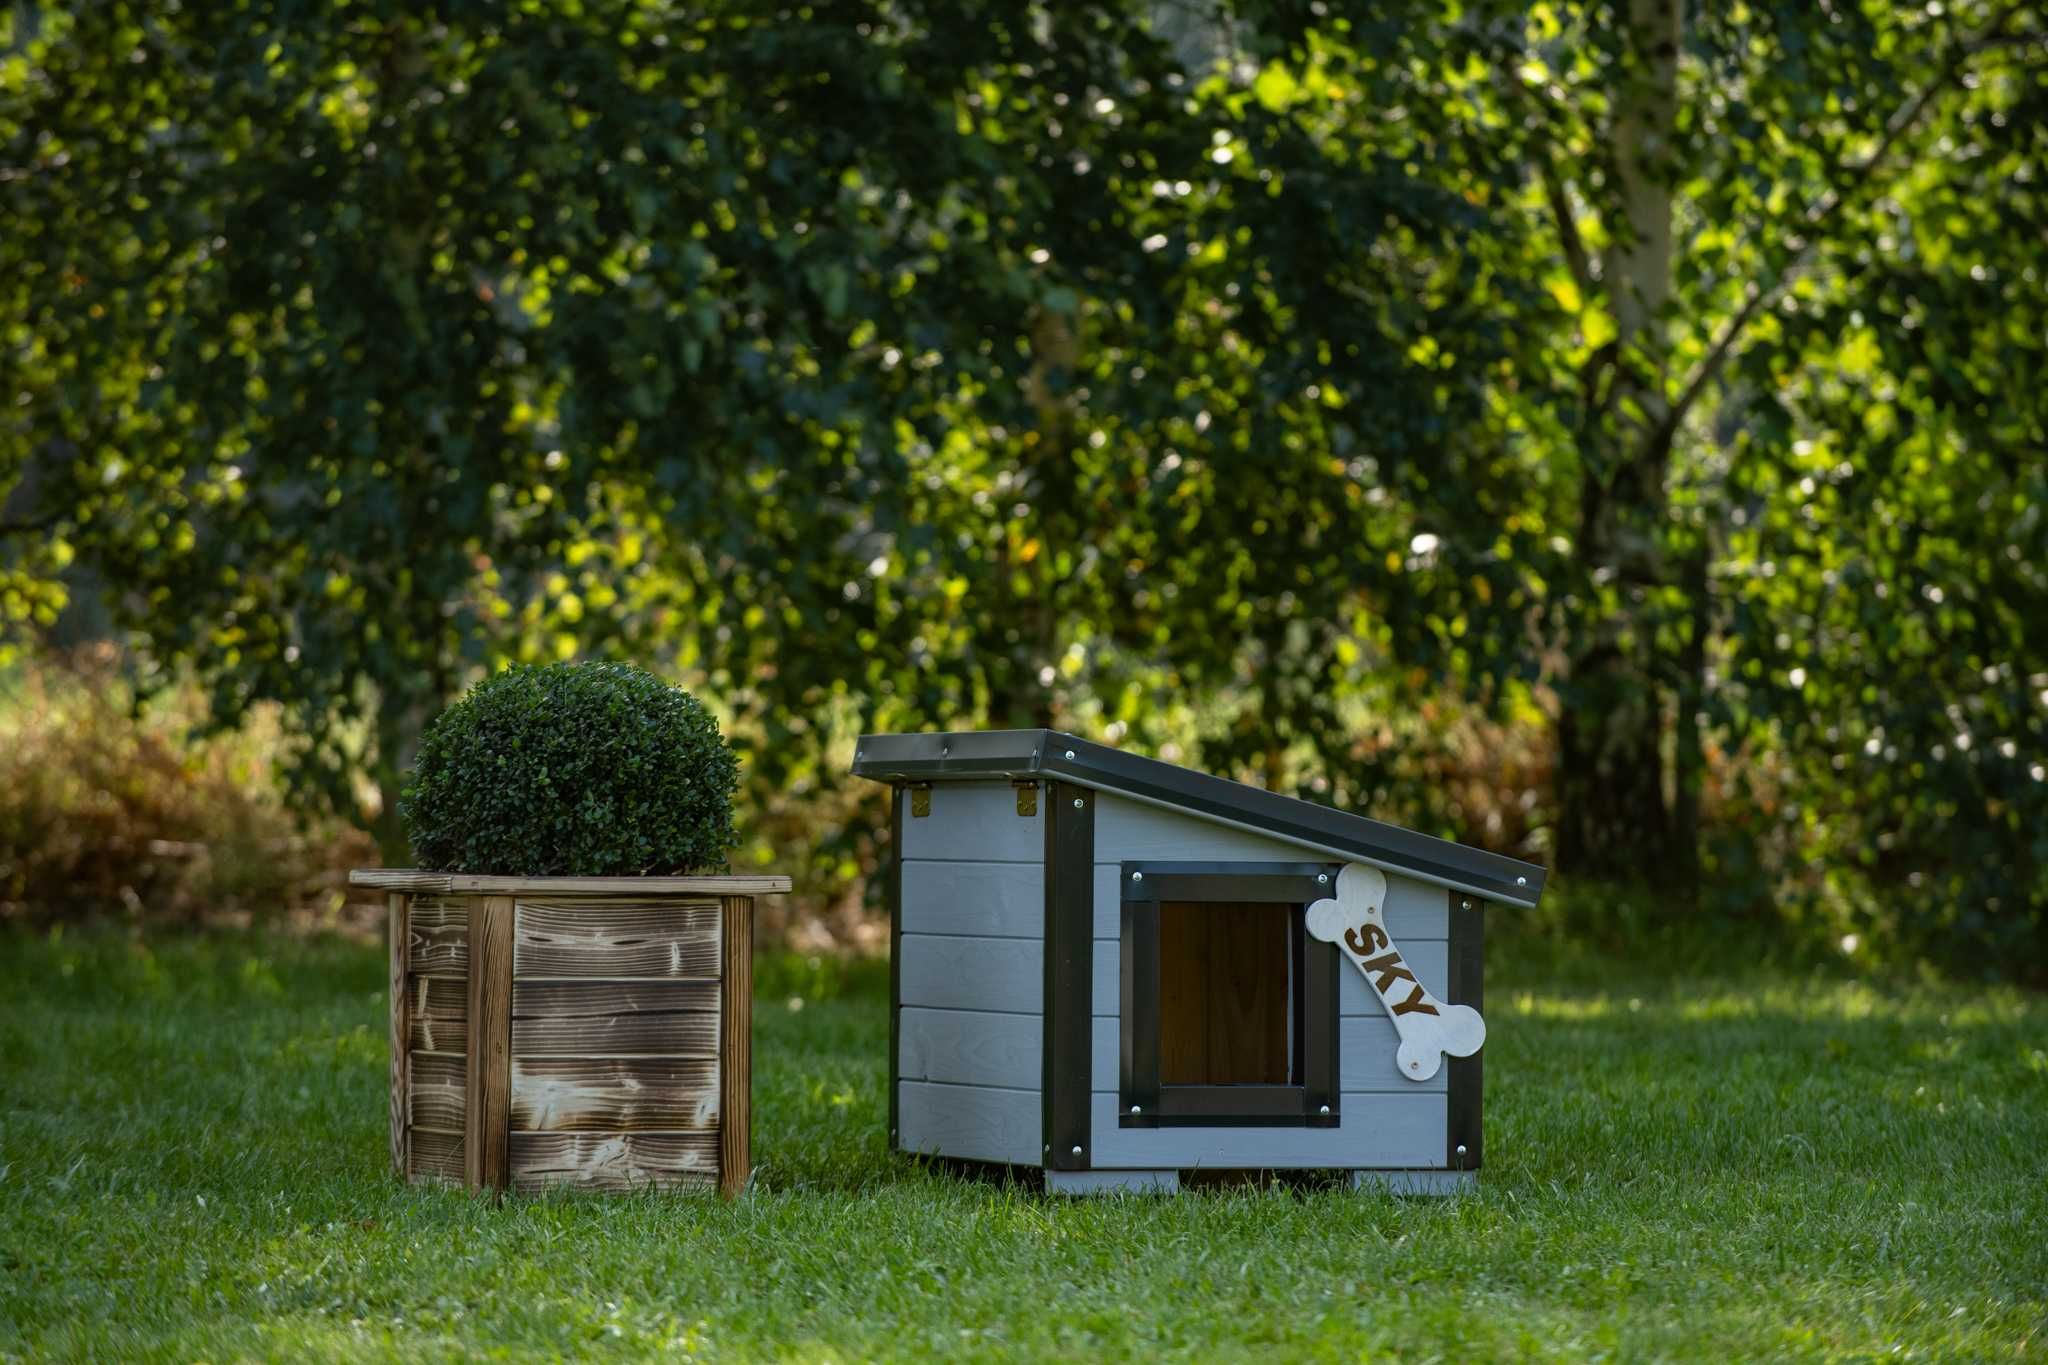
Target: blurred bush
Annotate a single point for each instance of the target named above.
(110, 806)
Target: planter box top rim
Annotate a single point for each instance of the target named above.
(408, 879)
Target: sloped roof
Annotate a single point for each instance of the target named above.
(1014, 754)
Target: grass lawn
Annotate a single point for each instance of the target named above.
(1747, 1166)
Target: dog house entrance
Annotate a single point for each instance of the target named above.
(1229, 1011)
(1226, 986)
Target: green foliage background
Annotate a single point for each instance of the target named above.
(1612, 433)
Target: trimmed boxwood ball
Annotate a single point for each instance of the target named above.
(572, 770)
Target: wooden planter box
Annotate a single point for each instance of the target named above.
(584, 1031)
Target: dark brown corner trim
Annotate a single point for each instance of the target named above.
(1463, 1143)
(1066, 1082)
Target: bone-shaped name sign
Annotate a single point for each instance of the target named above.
(1430, 1030)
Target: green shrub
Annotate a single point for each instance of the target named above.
(588, 770)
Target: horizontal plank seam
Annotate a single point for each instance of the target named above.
(979, 938)
(969, 1009)
(971, 862)
(967, 1085)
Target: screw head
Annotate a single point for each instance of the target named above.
(1070, 753)
(1077, 803)
(1077, 1151)
(1322, 878)
(1415, 1066)
(1461, 1149)
(1325, 1109)
(1137, 876)
(1521, 881)
(1137, 1109)
(1464, 905)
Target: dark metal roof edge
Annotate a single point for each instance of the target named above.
(1053, 753)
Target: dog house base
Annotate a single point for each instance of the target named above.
(1112, 1182)
(1102, 968)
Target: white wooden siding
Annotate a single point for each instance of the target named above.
(988, 900)
(1132, 830)
(961, 973)
(974, 1123)
(972, 1047)
(974, 822)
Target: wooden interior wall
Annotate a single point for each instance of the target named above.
(1223, 993)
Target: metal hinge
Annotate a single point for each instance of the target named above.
(1027, 797)
(921, 799)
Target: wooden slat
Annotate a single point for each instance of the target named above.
(736, 1057)
(439, 1091)
(613, 1161)
(401, 1099)
(436, 1155)
(640, 938)
(974, 1123)
(600, 999)
(437, 1014)
(437, 932)
(946, 972)
(613, 1094)
(980, 900)
(490, 1044)
(1139, 830)
(463, 883)
(975, 822)
(693, 1034)
(974, 1047)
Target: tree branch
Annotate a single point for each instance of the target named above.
(1846, 175)
(1567, 229)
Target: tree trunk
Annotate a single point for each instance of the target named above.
(1615, 817)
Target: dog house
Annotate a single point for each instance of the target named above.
(1121, 970)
